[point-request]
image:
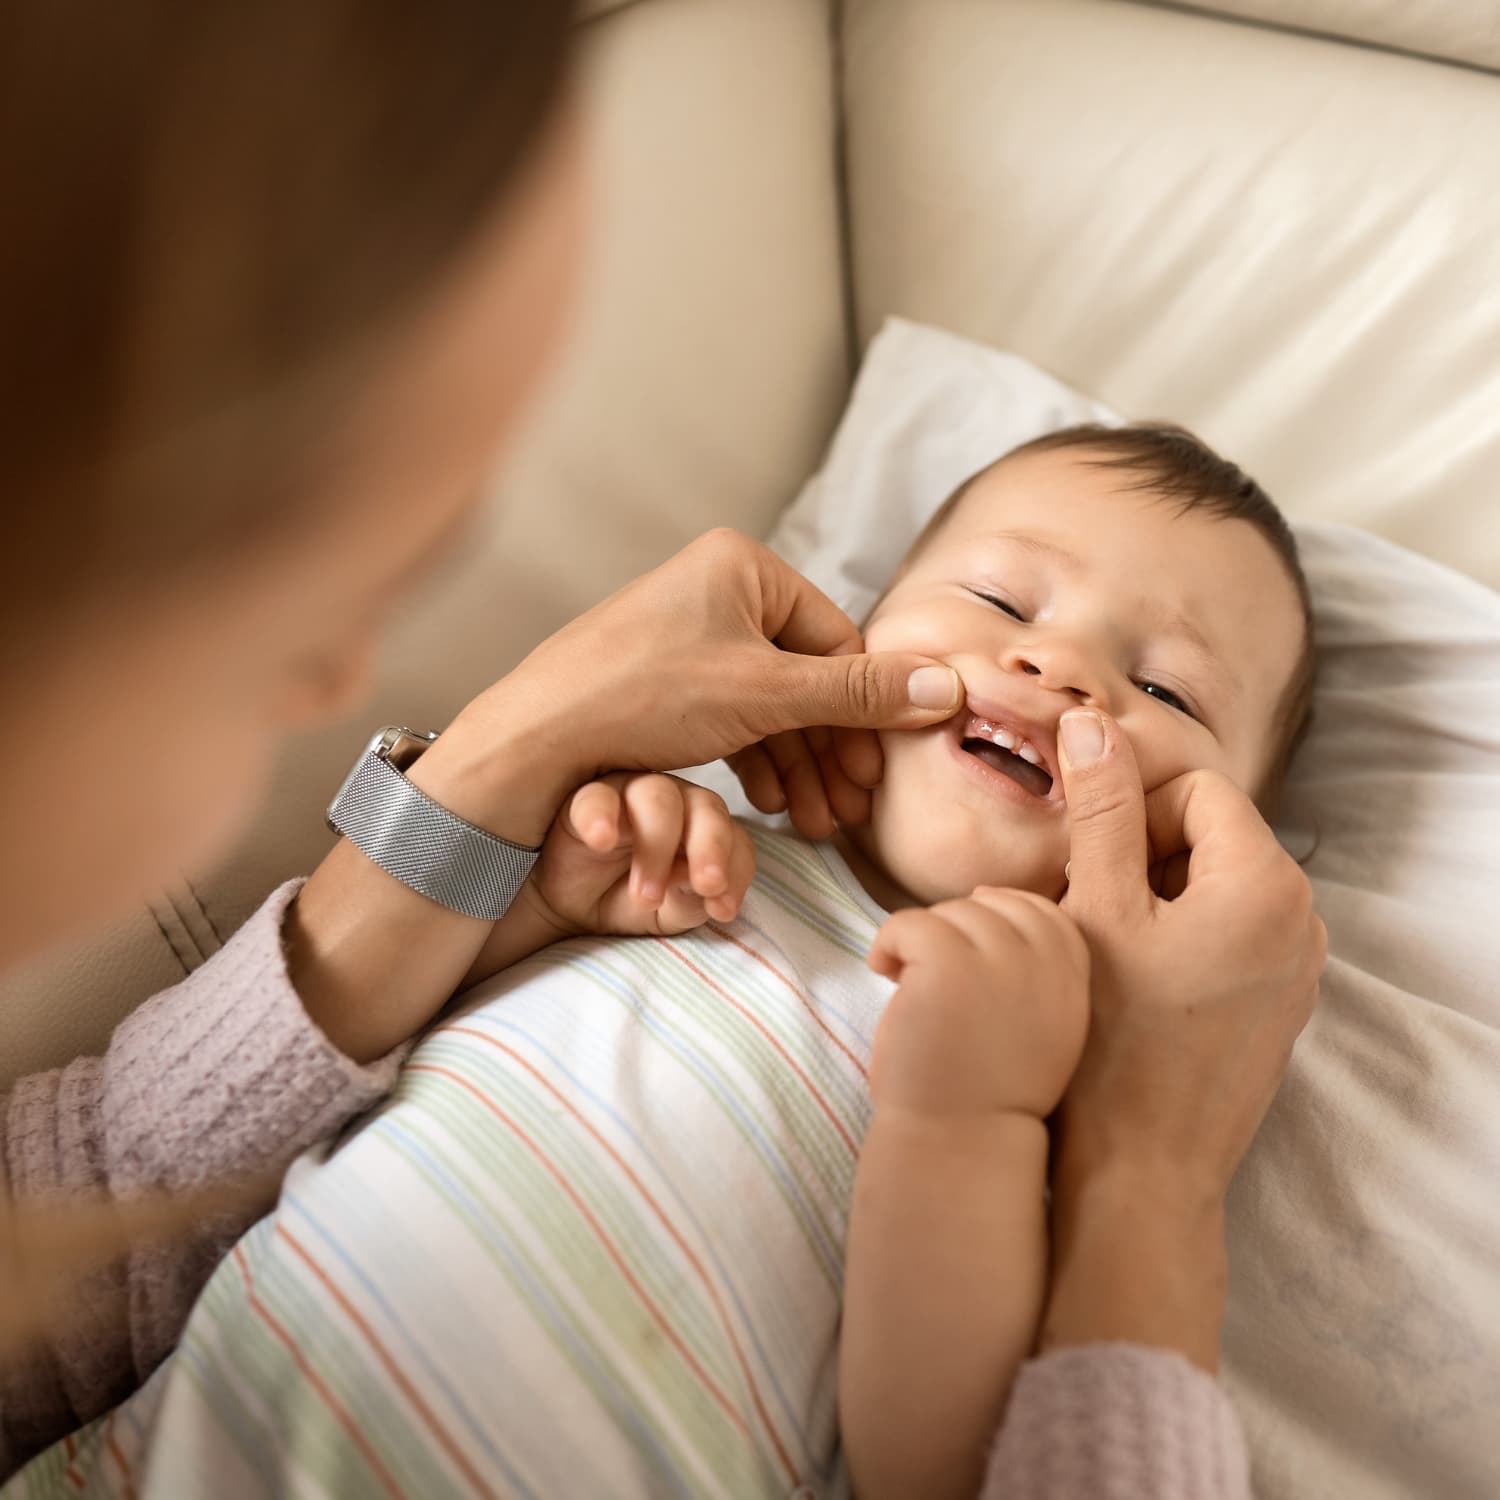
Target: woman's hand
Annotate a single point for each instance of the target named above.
(1196, 1004)
(991, 1011)
(1196, 1000)
(717, 650)
(723, 650)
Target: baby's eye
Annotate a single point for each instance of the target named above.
(1167, 696)
(1009, 609)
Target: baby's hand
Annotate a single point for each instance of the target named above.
(992, 1009)
(635, 853)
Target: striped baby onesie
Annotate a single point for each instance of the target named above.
(591, 1247)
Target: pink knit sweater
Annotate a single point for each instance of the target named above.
(225, 1074)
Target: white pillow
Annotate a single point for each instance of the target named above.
(1363, 1338)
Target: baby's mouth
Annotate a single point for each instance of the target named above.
(1009, 753)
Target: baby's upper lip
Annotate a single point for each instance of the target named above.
(1040, 734)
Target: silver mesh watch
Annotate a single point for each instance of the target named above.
(435, 852)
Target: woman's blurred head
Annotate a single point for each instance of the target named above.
(276, 281)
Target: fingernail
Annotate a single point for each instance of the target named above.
(651, 891)
(1082, 737)
(933, 687)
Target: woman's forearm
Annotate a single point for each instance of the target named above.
(1136, 1258)
(946, 1267)
(372, 960)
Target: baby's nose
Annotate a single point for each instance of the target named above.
(1062, 667)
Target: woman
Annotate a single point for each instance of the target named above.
(270, 260)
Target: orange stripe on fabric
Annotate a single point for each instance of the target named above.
(666, 1223)
(449, 1445)
(645, 1298)
(70, 1448)
(761, 1027)
(341, 1416)
(112, 1444)
(822, 1025)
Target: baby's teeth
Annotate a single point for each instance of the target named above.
(1005, 739)
(1028, 754)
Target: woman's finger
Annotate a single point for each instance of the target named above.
(860, 755)
(757, 775)
(798, 771)
(1107, 845)
(654, 806)
(847, 802)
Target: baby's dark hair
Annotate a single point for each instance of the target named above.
(1170, 463)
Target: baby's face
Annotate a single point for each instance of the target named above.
(1054, 586)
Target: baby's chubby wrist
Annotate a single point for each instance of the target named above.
(1004, 1149)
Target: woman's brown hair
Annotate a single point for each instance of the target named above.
(212, 210)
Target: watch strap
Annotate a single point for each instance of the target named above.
(437, 853)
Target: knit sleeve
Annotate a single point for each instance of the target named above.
(1115, 1422)
(223, 1074)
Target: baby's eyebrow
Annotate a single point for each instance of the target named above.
(1070, 560)
(1172, 622)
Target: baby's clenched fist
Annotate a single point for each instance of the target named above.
(641, 854)
(992, 1009)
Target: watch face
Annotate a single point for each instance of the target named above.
(402, 746)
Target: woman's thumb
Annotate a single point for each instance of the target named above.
(1107, 844)
(869, 690)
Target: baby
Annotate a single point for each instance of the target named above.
(597, 1243)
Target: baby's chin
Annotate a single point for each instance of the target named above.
(922, 872)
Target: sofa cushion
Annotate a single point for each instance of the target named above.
(1290, 244)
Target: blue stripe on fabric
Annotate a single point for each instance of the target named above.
(818, 920)
(819, 1002)
(429, 1367)
(543, 1305)
(828, 1251)
(229, 1409)
(744, 1322)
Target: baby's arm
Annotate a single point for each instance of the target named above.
(947, 1264)
(947, 1241)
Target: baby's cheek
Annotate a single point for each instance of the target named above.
(925, 632)
(1165, 751)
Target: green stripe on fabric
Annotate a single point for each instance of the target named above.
(576, 1263)
(800, 874)
(676, 987)
(591, 1174)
